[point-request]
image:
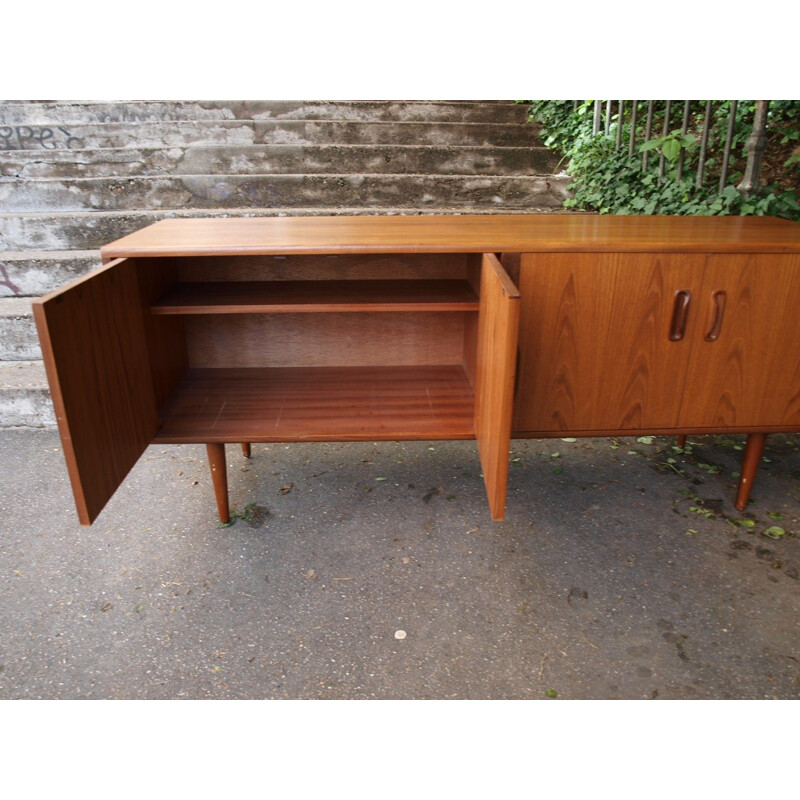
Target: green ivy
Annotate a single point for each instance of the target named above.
(607, 180)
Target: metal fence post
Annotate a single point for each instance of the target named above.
(648, 131)
(755, 149)
(701, 165)
(662, 160)
(684, 130)
(726, 158)
(632, 140)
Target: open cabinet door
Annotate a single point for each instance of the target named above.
(94, 350)
(498, 324)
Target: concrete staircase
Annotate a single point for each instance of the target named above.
(76, 175)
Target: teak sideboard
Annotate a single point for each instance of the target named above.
(362, 328)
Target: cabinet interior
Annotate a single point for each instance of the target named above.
(346, 347)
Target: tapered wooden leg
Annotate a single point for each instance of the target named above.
(246, 449)
(681, 442)
(752, 458)
(219, 475)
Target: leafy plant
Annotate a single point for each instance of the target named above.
(670, 146)
(608, 180)
(249, 515)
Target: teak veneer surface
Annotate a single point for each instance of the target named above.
(137, 353)
(337, 339)
(238, 297)
(494, 383)
(594, 346)
(465, 234)
(290, 404)
(597, 353)
(748, 377)
(94, 350)
(323, 267)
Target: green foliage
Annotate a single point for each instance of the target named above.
(660, 178)
(670, 145)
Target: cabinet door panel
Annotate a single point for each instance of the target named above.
(494, 380)
(745, 370)
(94, 351)
(595, 346)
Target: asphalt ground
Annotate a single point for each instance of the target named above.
(374, 571)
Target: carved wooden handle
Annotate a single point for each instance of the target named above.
(718, 301)
(680, 313)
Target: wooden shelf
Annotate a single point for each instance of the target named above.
(255, 297)
(289, 404)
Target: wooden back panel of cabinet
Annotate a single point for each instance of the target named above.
(335, 339)
(595, 346)
(745, 367)
(322, 267)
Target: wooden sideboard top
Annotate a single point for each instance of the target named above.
(457, 233)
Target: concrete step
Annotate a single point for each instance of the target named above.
(285, 191)
(78, 136)
(90, 230)
(33, 273)
(18, 338)
(83, 136)
(60, 113)
(24, 395)
(283, 159)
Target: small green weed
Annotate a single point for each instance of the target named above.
(251, 513)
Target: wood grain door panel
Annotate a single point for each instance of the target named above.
(94, 350)
(595, 346)
(498, 323)
(748, 374)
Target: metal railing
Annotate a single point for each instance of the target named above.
(628, 115)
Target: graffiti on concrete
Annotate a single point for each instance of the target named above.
(6, 281)
(36, 137)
